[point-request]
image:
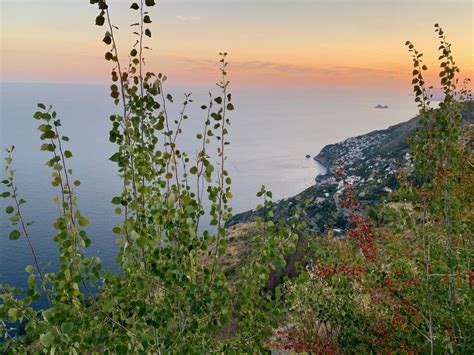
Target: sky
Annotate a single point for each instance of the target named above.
(270, 42)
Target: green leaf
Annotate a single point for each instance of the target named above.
(142, 241)
(67, 328)
(218, 100)
(46, 339)
(291, 248)
(48, 135)
(83, 221)
(107, 39)
(102, 5)
(148, 32)
(135, 6)
(32, 281)
(117, 200)
(150, 2)
(5, 194)
(29, 269)
(9, 209)
(147, 19)
(42, 106)
(13, 314)
(100, 20)
(68, 154)
(193, 170)
(280, 262)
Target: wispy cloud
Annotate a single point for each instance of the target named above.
(297, 70)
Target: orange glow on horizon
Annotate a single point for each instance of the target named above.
(295, 43)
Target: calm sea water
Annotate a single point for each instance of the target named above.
(272, 131)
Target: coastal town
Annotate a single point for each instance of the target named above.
(371, 163)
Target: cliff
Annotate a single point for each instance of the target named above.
(371, 162)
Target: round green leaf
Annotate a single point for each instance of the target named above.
(14, 235)
(100, 20)
(46, 339)
(83, 221)
(13, 314)
(67, 328)
(107, 39)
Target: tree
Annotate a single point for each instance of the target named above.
(172, 293)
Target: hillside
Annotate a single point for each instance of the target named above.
(371, 162)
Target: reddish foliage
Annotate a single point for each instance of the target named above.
(302, 341)
(363, 234)
(362, 231)
(355, 272)
(391, 293)
(470, 276)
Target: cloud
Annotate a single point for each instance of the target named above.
(72, 62)
(187, 18)
(269, 68)
(296, 69)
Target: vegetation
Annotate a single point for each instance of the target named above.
(402, 282)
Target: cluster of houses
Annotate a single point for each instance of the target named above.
(364, 170)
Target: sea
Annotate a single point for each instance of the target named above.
(272, 131)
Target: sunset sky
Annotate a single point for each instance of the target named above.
(271, 42)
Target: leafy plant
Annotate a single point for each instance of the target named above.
(403, 284)
(172, 293)
(406, 285)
